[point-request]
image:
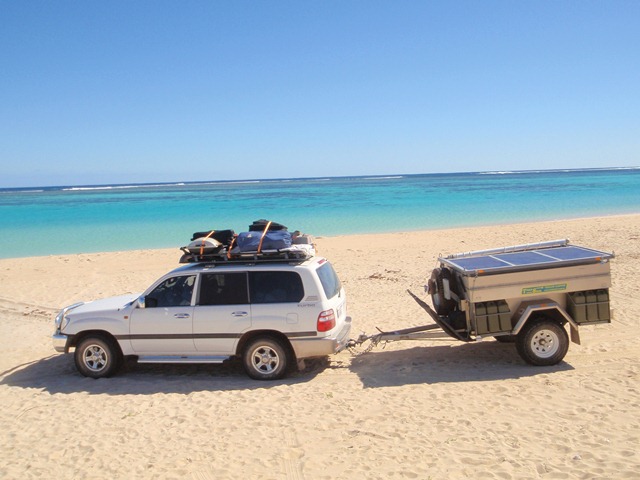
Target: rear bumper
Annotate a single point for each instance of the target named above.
(319, 347)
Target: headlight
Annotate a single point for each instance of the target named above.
(61, 320)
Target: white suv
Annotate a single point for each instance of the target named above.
(269, 314)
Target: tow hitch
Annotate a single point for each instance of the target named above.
(431, 331)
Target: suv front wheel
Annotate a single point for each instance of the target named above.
(97, 357)
(265, 358)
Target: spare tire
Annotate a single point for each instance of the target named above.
(440, 284)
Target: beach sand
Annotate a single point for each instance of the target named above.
(435, 409)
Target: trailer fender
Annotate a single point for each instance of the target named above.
(527, 309)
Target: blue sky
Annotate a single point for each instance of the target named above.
(157, 91)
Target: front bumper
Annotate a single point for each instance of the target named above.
(60, 342)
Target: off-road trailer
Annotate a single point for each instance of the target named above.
(525, 294)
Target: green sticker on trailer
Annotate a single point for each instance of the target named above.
(558, 287)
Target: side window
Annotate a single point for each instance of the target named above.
(223, 289)
(173, 292)
(330, 281)
(275, 287)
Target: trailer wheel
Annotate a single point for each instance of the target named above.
(441, 304)
(542, 342)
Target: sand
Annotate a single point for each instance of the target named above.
(428, 409)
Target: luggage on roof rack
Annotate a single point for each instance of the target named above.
(204, 246)
(262, 225)
(272, 242)
(223, 236)
(267, 240)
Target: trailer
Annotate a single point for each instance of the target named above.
(527, 294)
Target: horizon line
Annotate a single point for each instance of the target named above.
(182, 183)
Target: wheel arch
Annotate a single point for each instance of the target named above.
(78, 337)
(530, 311)
(253, 334)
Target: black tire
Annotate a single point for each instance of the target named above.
(542, 342)
(265, 358)
(442, 305)
(97, 357)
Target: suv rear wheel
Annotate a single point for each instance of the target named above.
(265, 358)
(97, 357)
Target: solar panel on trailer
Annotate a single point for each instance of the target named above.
(573, 253)
(541, 257)
(478, 263)
(525, 258)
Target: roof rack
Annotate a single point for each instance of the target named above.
(266, 256)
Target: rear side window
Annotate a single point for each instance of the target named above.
(223, 289)
(329, 279)
(275, 287)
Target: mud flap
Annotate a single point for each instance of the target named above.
(575, 334)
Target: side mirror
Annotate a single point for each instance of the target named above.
(150, 302)
(140, 303)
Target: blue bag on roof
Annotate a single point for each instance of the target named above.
(273, 240)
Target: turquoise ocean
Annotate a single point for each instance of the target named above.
(83, 219)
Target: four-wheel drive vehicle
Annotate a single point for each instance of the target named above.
(270, 314)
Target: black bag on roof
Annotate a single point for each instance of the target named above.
(223, 236)
(260, 225)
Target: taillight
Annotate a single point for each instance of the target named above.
(326, 320)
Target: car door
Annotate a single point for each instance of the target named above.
(222, 312)
(165, 325)
(275, 296)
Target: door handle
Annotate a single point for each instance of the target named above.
(239, 314)
(182, 315)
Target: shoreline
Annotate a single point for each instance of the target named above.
(368, 234)
(492, 225)
(479, 406)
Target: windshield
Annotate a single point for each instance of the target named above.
(329, 279)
